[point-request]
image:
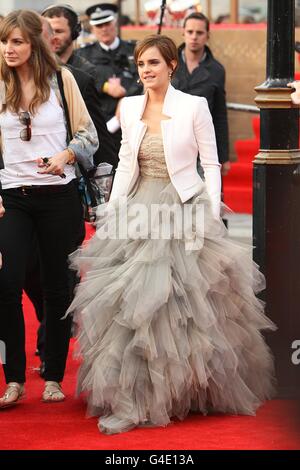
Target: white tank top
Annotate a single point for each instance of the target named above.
(48, 138)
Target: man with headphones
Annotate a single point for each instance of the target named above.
(66, 27)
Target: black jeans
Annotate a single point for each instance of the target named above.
(33, 288)
(54, 215)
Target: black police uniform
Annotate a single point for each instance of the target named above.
(82, 64)
(119, 63)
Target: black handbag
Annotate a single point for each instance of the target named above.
(94, 188)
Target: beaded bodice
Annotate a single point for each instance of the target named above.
(152, 158)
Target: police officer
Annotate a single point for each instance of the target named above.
(114, 60)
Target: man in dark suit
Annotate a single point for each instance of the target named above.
(200, 74)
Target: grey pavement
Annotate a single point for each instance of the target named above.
(240, 227)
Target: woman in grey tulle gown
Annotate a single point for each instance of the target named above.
(167, 314)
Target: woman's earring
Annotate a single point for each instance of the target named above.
(170, 75)
(138, 80)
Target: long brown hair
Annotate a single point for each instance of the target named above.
(42, 60)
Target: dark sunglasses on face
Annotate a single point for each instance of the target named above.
(24, 118)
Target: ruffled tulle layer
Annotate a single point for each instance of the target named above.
(164, 328)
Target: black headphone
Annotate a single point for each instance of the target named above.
(75, 30)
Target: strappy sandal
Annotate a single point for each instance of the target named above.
(53, 393)
(13, 394)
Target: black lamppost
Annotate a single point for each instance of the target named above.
(276, 222)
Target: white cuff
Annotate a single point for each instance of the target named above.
(113, 125)
(213, 185)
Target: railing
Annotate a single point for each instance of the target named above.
(243, 107)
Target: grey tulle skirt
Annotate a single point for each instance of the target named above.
(166, 324)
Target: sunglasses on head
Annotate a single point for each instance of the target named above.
(24, 118)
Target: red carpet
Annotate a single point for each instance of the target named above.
(237, 184)
(36, 425)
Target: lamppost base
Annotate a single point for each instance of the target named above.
(276, 238)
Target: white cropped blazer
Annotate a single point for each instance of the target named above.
(188, 131)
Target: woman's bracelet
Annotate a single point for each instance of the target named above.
(72, 157)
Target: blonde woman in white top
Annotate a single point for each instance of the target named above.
(39, 193)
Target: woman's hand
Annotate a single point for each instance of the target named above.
(225, 168)
(2, 210)
(114, 88)
(53, 165)
(296, 94)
